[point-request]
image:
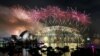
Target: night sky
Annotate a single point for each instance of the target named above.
(91, 7)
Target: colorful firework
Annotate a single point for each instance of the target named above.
(31, 19)
(59, 14)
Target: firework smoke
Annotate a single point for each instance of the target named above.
(17, 19)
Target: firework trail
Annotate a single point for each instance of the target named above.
(18, 19)
(59, 14)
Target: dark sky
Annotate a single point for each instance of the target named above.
(91, 7)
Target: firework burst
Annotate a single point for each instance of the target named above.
(31, 19)
(60, 15)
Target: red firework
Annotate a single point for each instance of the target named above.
(57, 13)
